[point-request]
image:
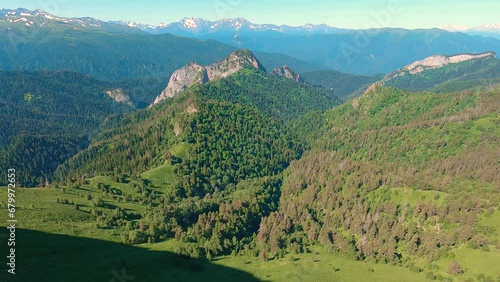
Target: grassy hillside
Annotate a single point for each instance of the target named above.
(52, 232)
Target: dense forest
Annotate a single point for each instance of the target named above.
(276, 96)
(351, 192)
(41, 108)
(344, 85)
(148, 134)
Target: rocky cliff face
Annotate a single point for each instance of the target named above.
(435, 62)
(193, 73)
(119, 96)
(285, 71)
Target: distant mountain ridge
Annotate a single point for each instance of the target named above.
(191, 26)
(36, 41)
(360, 52)
(437, 61)
(440, 73)
(39, 18)
(484, 30)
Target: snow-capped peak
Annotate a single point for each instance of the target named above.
(131, 23)
(463, 28)
(488, 27)
(190, 23)
(455, 28)
(41, 18)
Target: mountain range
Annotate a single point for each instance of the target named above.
(199, 27)
(312, 47)
(484, 30)
(182, 158)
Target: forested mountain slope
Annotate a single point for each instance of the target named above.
(44, 112)
(394, 176)
(149, 133)
(344, 85)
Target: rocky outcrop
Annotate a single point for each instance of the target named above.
(435, 62)
(119, 96)
(285, 71)
(193, 73)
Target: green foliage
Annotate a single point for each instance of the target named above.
(52, 103)
(47, 117)
(232, 143)
(37, 157)
(342, 194)
(131, 143)
(276, 96)
(342, 84)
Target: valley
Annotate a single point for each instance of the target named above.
(167, 153)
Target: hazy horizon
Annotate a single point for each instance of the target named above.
(357, 14)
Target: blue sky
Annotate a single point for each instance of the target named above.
(347, 13)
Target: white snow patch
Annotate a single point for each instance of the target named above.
(21, 20)
(190, 23)
(455, 27)
(49, 17)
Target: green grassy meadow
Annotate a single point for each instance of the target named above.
(58, 240)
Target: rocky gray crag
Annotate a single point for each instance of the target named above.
(193, 73)
(285, 71)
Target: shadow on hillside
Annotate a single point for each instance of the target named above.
(59, 258)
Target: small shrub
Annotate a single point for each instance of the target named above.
(430, 276)
(98, 202)
(455, 268)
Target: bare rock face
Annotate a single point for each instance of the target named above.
(119, 96)
(285, 71)
(193, 73)
(181, 79)
(435, 62)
